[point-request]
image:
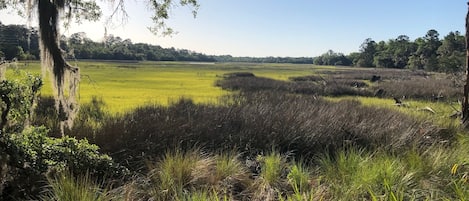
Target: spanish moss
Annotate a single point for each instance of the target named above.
(65, 77)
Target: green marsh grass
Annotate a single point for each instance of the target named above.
(424, 174)
(299, 177)
(272, 168)
(271, 179)
(123, 86)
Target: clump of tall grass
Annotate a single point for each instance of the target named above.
(272, 177)
(429, 88)
(357, 174)
(303, 186)
(173, 174)
(299, 177)
(223, 173)
(272, 170)
(281, 178)
(195, 175)
(322, 87)
(67, 187)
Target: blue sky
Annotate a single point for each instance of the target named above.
(283, 28)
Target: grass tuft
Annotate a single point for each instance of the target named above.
(173, 174)
(299, 178)
(66, 187)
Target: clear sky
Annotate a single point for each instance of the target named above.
(280, 27)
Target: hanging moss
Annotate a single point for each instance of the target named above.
(66, 77)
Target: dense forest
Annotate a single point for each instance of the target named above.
(428, 52)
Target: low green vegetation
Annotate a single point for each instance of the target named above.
(268, 132)
(66, 186)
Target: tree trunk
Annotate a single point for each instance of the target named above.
(465, 104)
(54, 61)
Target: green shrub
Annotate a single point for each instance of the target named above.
(27, 154)
(17, 100)
(33, 155)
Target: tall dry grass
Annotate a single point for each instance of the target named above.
(254, 123)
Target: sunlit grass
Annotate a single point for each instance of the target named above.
(124, 86)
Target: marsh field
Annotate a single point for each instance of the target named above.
(126, 85)
(240, 131)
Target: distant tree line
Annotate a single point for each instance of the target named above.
(17, 41)
(112, 47)
(428, 52)
(21, 42)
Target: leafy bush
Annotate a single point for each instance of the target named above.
(28, 155)
(17, 100)
(33, 155)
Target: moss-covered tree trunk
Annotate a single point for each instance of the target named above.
(65, 77)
